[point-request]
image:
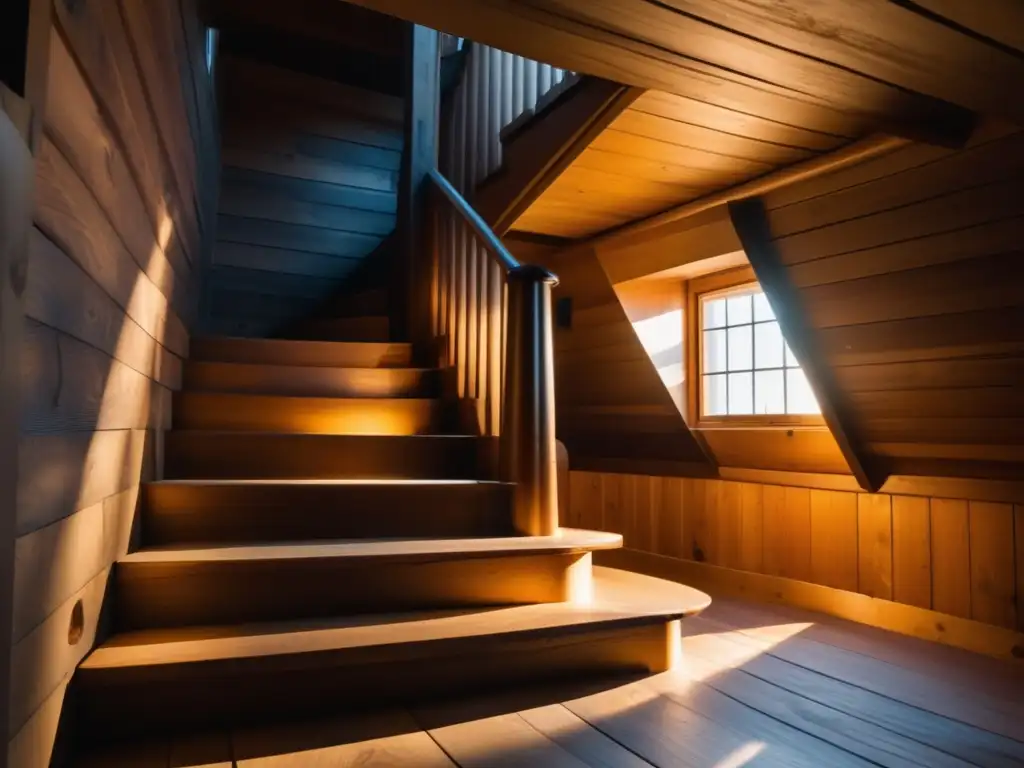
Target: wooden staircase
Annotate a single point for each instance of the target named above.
(330, 535)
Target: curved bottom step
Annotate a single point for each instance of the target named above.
(162, 680)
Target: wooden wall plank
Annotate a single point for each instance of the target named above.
(874, 544)
(77, 127)
(69, 215)
(993, 591)
(911, 551)
(951, 557)
(1018, 532)
(668, 519)
(834, 556)
(787, 532)
(956, 557)
(98, 37)
(585, 500)
(69, 386)
(15, 227)
(751, 546)
(61, 295)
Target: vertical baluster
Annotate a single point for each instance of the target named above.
(529, 84)
(544, 81)
(518, 86)
(461, 239)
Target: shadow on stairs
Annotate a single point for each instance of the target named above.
(331, 536)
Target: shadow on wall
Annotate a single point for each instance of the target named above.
(90, 436)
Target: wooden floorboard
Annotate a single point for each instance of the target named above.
(759, 685)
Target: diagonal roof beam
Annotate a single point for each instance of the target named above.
(750, 219)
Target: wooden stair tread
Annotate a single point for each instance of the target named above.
(567, 541)
(337, 354)
(620, 598)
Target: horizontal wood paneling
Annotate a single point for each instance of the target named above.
(956, 557)
(125, 183)
(908, 268)
(309, 189)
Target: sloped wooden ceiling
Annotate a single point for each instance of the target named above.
(910, 276)
(666, 150)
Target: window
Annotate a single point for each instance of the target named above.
(746, 371)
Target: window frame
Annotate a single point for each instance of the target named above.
(722, 284)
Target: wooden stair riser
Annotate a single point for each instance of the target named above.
(193, 513)
(161, 595)
(134, 702)
(236, 455)
(304, 353)
(313, 415)
(313, 381)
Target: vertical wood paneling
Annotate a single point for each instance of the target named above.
(957, 557)
(668, 519)
(1018, 537)
(751, 550)
(874, 542)
(585, 500)
(834, 539)
(787, 532)
(727, 513)
(911, 551)
(992, 564)
(951, 557)
(694, 513)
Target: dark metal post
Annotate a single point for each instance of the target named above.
(528, 450)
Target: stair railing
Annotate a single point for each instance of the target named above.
(483, 326)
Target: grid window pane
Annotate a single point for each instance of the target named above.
(799, 396)
(768, 345)
(741, 394)
(769, 392)
(741, 348)
(716, 399)
(762, 309)
(714, 313)
(714, 351)
(747, 367)
(739, 310)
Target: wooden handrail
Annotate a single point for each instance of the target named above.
(527, 443)
(490, 240)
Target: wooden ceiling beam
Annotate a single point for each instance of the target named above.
(851, 154)
(750, 219)
(650, 46)
(547, 145)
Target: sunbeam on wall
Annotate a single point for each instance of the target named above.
(655, 309)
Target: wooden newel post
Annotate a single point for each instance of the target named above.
(528, 456)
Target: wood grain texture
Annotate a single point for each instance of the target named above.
(834, 539)
(787, 532)
(15, 229)
(874, 545)
(992, 564)
(911, 551)
(951, 559)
